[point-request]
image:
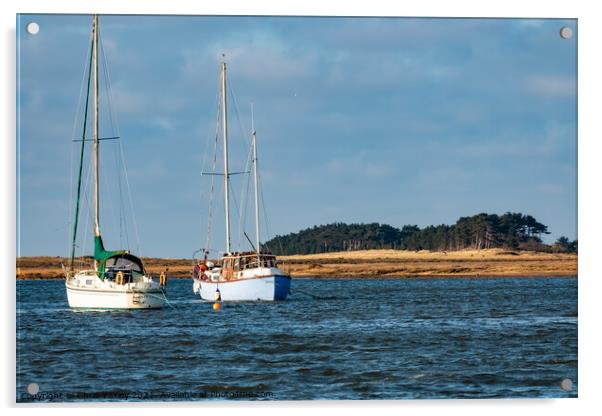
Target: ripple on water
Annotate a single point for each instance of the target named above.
(424, 338)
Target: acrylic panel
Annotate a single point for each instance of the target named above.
(295, 208)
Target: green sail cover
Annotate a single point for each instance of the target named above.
(101, 255)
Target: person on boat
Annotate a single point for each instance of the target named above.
(203, 269)
(196, 270)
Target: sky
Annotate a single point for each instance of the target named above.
(391, 120)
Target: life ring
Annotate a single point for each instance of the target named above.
(119, 278)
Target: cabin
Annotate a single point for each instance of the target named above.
(131, 267)
(237, 262)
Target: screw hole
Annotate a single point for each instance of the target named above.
(566, 384)
(32, 28)
(566, 32)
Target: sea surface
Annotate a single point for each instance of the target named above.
(420, 338)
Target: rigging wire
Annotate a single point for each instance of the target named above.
(87, 208)
(115, 129)
(72, 146)
(105, 62)
(211, 192)
(106, 202)
(244, 197)
(265, 211)
(212, 186)
(115, 125)
(240, 124)
(209, 131)
(237, 207)
(242, 215)
(127, 182)
(81, 161)
(105, 183)
(122, 226)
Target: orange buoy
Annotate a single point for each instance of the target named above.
(216, 306)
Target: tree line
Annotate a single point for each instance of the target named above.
(513, 231)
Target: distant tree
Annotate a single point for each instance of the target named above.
(481, 231)
(564, 245)
(563, 241)
(336, 237)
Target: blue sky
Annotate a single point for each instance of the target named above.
(398, 121)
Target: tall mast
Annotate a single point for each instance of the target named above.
(95, 137)
(256, 184)
(226, 173)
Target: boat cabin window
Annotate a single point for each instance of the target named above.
(268, 261)
(128, 264)
(248, 261)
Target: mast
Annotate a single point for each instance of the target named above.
(96, 195)
(226, 173)
(256, 185)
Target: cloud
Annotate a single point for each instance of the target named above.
(552, 139)
(163, 123)
(532, 23)
(128, 102)
(552, 189)
(428, 107)
(259, 59)
(552, 86)
(358, 165)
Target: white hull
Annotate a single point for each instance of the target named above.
(86, 291)
(262, 288)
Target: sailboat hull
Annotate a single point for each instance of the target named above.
(265, 288)
(88, 299)
(106, 295)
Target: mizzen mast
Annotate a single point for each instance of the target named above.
(256, 184)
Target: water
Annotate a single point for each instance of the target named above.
(362, 339)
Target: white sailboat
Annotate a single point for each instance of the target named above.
(241, 276)
(118, 279)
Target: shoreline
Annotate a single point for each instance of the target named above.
(438, 276)
(396, 264)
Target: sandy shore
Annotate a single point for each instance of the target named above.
(368, 263)
(396, 263)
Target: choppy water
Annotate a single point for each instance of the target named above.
(363, 339)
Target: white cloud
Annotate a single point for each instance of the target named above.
(551, 189)
(553, 139)
(259, 59)
(358, 165)
(532, 23)
(163, 122)
(552, 85)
